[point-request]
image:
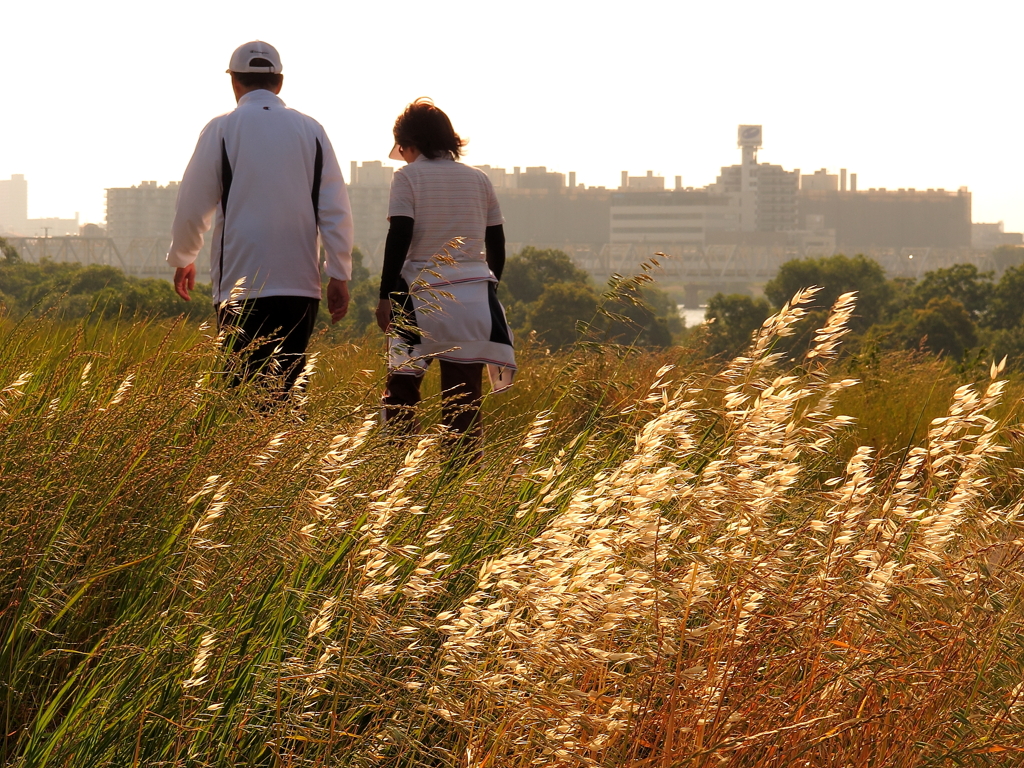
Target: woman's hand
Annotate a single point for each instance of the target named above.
(384, 314)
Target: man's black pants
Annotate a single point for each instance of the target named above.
(267, 339)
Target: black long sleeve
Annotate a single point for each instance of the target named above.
(494, 248)
(396, 248)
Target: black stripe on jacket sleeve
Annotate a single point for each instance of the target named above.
(225, 190)
(318, 172)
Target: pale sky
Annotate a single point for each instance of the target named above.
(106, 93)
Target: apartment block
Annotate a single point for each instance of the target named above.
(14, 204)
(669, 216)
(143, 211)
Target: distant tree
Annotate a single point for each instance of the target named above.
(632, 318)
(664, 306)
(7, 256)
(1006, 256)
(530, 271)
(8, 252)
(961, 282)
(1006, 308)
(835, 275)
(732, 319)
(901, 296)
(94, 278)
(361, 317)
(558, 310)
(943, 326)
(544, 291)
(1008, 343)
(359, 269)
(73, 291)
(528, 274)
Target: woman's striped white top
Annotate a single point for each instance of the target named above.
(447, 200)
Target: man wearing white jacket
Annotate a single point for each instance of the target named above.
(272, 178)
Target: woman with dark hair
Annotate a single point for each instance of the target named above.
(443, 258)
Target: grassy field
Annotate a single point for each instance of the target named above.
(658, 562)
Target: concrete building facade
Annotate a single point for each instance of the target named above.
(500, 178)
(143, 211)
(369, 191)
(648, 183)
(751, 204)
(539, 178)
(556, 216)
(669, 216)
(139, 221)
(880, 218)
(820, 181)
(763, 194)
(14, 220)
(14, 204)
(987, 237)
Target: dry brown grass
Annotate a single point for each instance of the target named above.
(653, 566)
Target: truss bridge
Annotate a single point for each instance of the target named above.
(141, 257)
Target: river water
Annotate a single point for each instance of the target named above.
(693, 317)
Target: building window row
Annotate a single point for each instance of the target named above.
(652, 216)
(655, 230)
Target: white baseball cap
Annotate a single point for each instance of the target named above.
(256, 56)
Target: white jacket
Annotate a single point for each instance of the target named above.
(271, 175)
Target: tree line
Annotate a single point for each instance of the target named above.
(73, 291)
(547, 297)
(953, 312)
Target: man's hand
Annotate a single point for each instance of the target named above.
(185, 281)
(337, 299)
(384, 314)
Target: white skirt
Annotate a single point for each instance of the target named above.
(452, 312)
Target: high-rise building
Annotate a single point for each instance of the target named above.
(14, 218)
(139, 221)
(141, 212)
(14, 205)
(369, 190)
(764, 194)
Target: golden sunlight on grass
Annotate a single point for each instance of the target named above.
(653, 565)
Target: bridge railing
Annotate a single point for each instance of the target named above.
(141, 257)
(700, 265)
(715, 263)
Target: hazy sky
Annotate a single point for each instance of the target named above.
(106, 93)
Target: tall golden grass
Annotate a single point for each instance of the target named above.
(653, 565)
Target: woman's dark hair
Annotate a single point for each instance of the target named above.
(266, 80)
(428, 129)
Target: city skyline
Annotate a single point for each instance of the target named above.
(146, 221)
(508, 177)
(904, 94)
